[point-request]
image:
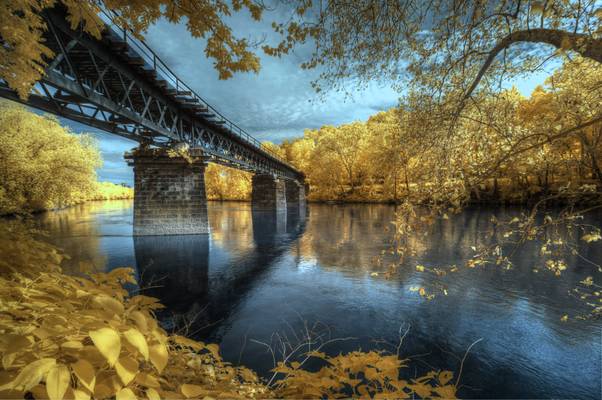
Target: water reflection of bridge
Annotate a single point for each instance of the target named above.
(202, 280)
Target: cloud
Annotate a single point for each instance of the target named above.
(274, 104)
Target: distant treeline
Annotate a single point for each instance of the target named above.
(507, 149)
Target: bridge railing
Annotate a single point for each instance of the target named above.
(152, 60)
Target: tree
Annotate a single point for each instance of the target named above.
(23, 55)
(392, 151)
(223, 183)
(274, 149)
(42, 164)
(345, 144)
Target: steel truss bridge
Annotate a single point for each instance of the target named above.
(118, 84)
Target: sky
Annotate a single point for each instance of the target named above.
(275, 104)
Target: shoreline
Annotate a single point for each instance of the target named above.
(35, 212)
(554, 202)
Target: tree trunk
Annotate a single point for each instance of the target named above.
(591, 152)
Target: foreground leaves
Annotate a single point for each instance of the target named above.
(361, 374)
(71, 337)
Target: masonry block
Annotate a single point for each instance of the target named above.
(268, 193)
(169, 194)
(295, 194)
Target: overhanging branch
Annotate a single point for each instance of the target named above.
(585, 45)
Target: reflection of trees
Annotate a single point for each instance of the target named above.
(231, 225)
(76, 230)
(347, 236)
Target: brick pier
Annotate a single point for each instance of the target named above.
(268, 193)
(169, 194)
(295, 194)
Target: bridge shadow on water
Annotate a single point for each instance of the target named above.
(201, 279)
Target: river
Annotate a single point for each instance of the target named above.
(257, 278)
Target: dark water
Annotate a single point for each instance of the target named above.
(256, 275)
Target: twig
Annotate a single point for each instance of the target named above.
(464, 358)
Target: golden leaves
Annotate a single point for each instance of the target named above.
(152, 394)
(23, 27)
(224, 183)
(192, 391)
(126, 368)
(176, 366)
(184, 341)
(84, 371)
(445, 376)
(111, 191)
(158, 356)
(30, 375)
(368, 374)
(213, 349)
(51, 168)
(57, 382)
(110, 303)
(108, 342)
(591, 237)
(80, 394)
(140, 320)
(136, 339)
(125, 394)
(423, 293)
(557, 266)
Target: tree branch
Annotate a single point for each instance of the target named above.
(585, 45)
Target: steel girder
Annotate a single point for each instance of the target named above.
(107, 84)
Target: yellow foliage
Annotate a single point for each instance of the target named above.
(42, 164)
(361, 374)
(504, 148)
(223, 183)
(60, 329)
(111, 191)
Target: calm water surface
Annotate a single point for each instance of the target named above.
(256, 275)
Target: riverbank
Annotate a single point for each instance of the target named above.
(559, 194)
(104, 191)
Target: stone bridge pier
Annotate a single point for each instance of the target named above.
(277, 194)
(170, 199)
(169, 194)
